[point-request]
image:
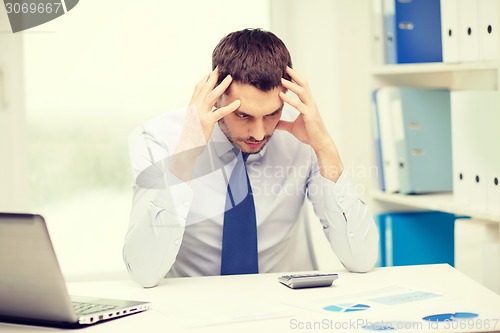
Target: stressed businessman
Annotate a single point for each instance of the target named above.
(220, 185)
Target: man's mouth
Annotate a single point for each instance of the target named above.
(254, 144)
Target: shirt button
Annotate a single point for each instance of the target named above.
(351, 234)
(341, 199)
(177, 242)
(186, 203)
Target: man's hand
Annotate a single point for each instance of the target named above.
(202, 113)
(309, 128)
(200, 120)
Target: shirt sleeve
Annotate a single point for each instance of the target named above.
(159, 209)
(346, 221)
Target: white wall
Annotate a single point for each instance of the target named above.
(91, 76)
(13, 183)
(328, 41)
(126, 57)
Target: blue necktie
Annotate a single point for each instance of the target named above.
(239, 237)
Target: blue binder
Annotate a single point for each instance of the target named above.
(416, 238)
(423, 146)
(416, 26)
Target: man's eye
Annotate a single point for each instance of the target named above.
(241, 115)
(272, 114)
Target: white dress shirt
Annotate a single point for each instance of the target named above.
(176, 227)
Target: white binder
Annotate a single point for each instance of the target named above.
(470, 144)
(377, 36)
(492, 157)
(459, 157)
(385, 100)
(488, 29)
(449, 30)
(389, 26)
(468, 32)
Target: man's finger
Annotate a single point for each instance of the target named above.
(296, 77)
(293, 102)
(219, 90)
(220, 113)
(198, 87)
(292, 86)
(210, 83)
(301, 92)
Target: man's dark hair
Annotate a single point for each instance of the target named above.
(252, 56)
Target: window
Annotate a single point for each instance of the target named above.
(93, 75)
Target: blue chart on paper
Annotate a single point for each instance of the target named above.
(346, 307)
(451, 316)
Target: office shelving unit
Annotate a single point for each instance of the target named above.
(477, 76)
(481, 76)
(457, 76)
(441, 202)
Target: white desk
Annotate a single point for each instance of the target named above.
(232, 303)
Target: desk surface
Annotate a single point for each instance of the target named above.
(396, 296)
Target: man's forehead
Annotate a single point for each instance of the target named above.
(254, 102)
(237, 87)
(262, 112)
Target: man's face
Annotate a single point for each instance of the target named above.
(250, 127)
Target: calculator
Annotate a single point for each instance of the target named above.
(310, 280)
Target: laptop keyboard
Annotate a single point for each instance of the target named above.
(89, 308)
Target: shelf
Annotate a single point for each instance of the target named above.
(442, 202)
(435, 67)
(482, 75)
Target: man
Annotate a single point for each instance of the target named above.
(187, 221)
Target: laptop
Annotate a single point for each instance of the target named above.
(32, 287)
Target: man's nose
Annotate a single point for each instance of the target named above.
(258, 131)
